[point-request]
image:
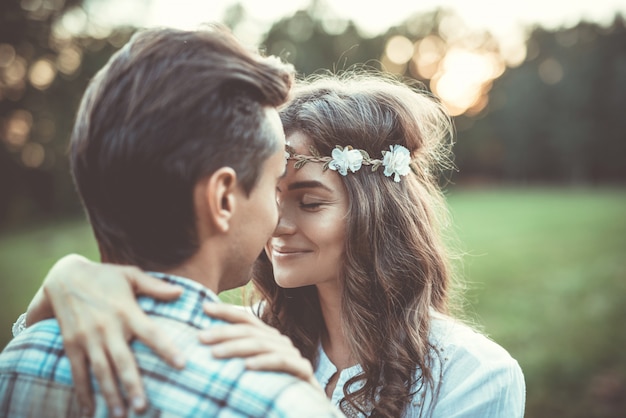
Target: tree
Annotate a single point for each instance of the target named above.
(562, 112)
(43, 71)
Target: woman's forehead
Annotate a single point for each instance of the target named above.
(311, 173)
(300, 142)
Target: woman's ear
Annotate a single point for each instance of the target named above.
(220, 198)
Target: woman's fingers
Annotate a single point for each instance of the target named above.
(122, 358)
(220, 333)
(127, 371)
(296, 366)
(144, 284)
(270, 355)
(80, 377)
(147, 332)
(263, 347)
(106, 379)
(94, 336)
(75, 339)
(240, 340)
(246, 347)
(231, 313)
(98, 314)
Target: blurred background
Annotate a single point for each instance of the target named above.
(538, 93)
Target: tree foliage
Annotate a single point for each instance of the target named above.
(44, 70)
(559, 116)
(556, 117)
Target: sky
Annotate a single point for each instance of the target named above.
(462, 78)
(373, 17)
(507, 20)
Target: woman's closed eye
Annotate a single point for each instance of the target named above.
(310, 205)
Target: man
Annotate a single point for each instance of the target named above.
(176, 153)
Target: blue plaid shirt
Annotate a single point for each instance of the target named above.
(36, 381)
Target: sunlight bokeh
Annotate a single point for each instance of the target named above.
(42, 73)
(461, 70)
(17, 129)
(461, 62)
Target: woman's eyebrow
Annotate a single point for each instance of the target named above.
(311, 184)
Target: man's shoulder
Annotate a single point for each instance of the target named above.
(223, 384)
(38, 351)
(206, 386)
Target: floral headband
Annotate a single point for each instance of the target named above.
(397, 161)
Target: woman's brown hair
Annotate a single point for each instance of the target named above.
(396, 268)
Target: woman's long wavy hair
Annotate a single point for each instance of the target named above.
(396, 267)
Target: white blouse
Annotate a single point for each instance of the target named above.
(477, 377)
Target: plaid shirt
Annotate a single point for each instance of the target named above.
(36, 381)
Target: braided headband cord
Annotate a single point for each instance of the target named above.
(397, 161)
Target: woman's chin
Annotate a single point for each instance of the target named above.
(285, 283)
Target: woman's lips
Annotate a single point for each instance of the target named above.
(288, 252)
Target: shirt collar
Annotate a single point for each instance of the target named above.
(187, 308)
(325, 368)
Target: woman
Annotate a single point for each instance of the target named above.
(356, 273)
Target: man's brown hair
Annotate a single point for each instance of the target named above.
(168, 109)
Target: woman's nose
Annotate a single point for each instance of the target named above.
(285, 225)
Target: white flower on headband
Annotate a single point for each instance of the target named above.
(397, 162)
(346, 159)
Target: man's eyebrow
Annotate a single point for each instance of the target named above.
(307, 185)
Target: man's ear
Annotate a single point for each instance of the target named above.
(221, 198)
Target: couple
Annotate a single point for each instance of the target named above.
(179, 156)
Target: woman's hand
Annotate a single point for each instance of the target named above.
(98, 315)
(263, 347)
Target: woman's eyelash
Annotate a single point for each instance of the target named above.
(310, 205)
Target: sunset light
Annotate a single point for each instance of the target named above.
(42, 73)
(460, 76)
(475, 42)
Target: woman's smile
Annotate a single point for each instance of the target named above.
(280, 252)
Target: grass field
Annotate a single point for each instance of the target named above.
(547, 273)
(546, 277)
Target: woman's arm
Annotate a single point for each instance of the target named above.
(98, 315)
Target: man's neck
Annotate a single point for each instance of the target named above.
(198, 269)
